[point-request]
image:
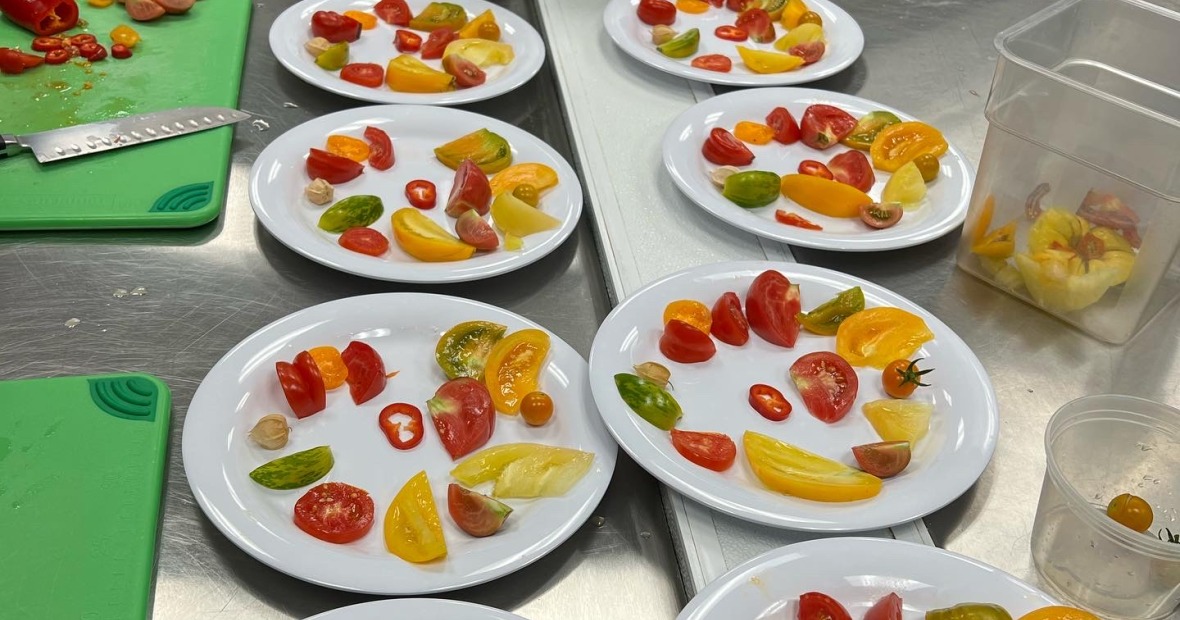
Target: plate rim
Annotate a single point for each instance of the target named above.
(669, 142)
(450, 98)
(392, 111)
(671, 480)
(431, 604)
(579, 518)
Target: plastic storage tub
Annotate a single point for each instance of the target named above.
(1076, 208)
(1097, 448)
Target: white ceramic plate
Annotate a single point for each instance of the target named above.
(440, 609)
(943, 209)
(714, 397)
(292, 29)
(403, 328)
(279, 178)
(844, 40)
(857, 572)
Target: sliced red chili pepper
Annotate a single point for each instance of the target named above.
(731, 33)
(57, 57)
(393, 429)
(45, 44)
(792, 219)
(769, 402)
(79, 39)
(421, 194)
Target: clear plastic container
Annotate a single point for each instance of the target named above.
(1098, 448)
(1085, 103)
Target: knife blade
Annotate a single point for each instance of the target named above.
(116, 133)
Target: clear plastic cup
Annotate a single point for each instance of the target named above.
(1097, 448)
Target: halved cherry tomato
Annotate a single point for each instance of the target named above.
(723, 149)
(713, 62)
(731, 33)
(438, 40)
(331, 168)
(816, 606)
(335, 512)
(393, 429)
(880, 215)
(786, 130)
(883, 459)
(888, 608)
(421, 194)
(302, 385)
(729, 324)
(364, 240)
(771, 305)
(121, 51)
(45, 44)
(827, 383)
(769, 402)
(656, 12)
(794, 219)
(58, 57)
(686, 344)
(380, 148)
(753, 133)
(79, 39)
(364, 74)
(815, 169)
(331, 366)
(394, 12)
(824, 125)
(715, 451)
(690, 311)
(467, 73)
(335, 27)
(757, 22)
(853, 168)
(407, 42)
(810, 52)
(366, 371)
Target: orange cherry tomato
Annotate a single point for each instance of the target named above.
(346, 146)
(1132, 511)
(536, 408)
(690, 311)
(692, 6)
(901, 377)
(753, 133)
(331, 365)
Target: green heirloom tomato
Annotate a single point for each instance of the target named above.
(463, 350)
(333, 58)
(295, 470)
(826, 318)
(868, 127)
(970, 611)
(350, 212)
(652, 402)
(750, 189)
(684, 45)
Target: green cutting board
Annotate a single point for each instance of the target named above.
(81, 466)
(183, 60)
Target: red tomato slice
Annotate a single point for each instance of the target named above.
(421, 194)
(475, 231)
(713, 62)
(739, 6)
(364, 240)
(810, 52)
(816, 606)
(364, 74)
(393, 428)
(686, 344)
(853, 168)
(827, 384)
(888, 608)
(815, 169)
(335, 512)
(757, 22)
(335, 27)
(471, 190)
(723, 149)
(467, 73)
(656, 12)
(771, 305)
(302, 385)
(769, 402)
(394, 12)
(45, 44)
(715, 451)
(380, 148)
(475, 513)
(332, 168)
(731, 33)
(824, 125)
(729, 324)
(366, 372)
(792, 219)
(463, 414)
(407, 42)
(438, 40)
(786, 130)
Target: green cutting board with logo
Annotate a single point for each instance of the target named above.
(81, 467)
(183, 60)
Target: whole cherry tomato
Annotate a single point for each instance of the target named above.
(421, 194)
(901, 377)
(723, 149)
(1132, 511)
(769, 402)
(729, 324)
(731, 33)
(407, 42)
(656, 12)
(771, 305)
(713, 62)
(686, 344)
(437, 42)
(815, 169)
(853, 168)
(332, 168)
(824, 125)
(536, 408)
(364, 74)
(757, 22)
(380, 148)
(393, 429)
(715, 451)
(394, 12)
(786, 130)
(364, 240)
(335, 27)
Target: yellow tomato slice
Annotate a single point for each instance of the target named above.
(900, 143)
(514, 366)
(876, 336)
(539, 176)
(425, 240)
(803, 33)
(753, 133)
(899, 420)
(690, 311)
(331, 366)
(525, 469)
(692, 6)
(471, 30)
(347, 146)
(760, 61)
(794, 471)
(407, 74)
(413, 531)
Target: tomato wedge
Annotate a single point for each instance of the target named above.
(769, 402)
(794, 219)
(407, 42)
(713, 62)
(731, 33)
(888, 608)
(463, 415)
(824, 125)
(394, 12)
(380, 148)
(786, 130)
(853, 168)
(758, 24)
(656, 12)
(335, 512)
(366, 371)
(421, 194)
(715, 451)
(686, 344)
(771, 305)
(827, 383)
(810, 52)
(467, 73)
(729, 324)
(335, 27)
(437, 42)
(364, 240)
(363, 74)
(816, 606)
(303, 387)
(393, 429)
(471, 190)
(723, 149)
(332, 168)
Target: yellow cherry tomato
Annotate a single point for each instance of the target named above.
(331, 365)
(346, 146)
(514, 367)
(368, 20)
(690, 311)
(413, 531)
(753, 133)
(692, 6)
(1132, 511)
(876, 336)
(811, 17)
(125, 35)
(536, 408)
(1059, 613)
(900, 143)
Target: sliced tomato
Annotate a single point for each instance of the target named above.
(853, 168)
(827, 384)
(475, 231)
(475, 513)
(731, 33)
(421, 194)
(825, 125)
(335, 512)
(771, 305)
(883, 459)
(393, 427)
(363, 73)
(815, 169)
(335, 27)
(713, 62)
(723, 149)
(394, 12)
(880, 215)
(739, 6)
(366, 371)
(810, 52)
(467, 74)
(729, 324)
(656, 12)
(757, 22)
(715, 451)
(407, 42)
(471, 190)
(302, 385)
(364, 240)
(332, 168)
(888, 608)
(438, 40)
(786, 130)
(380, 148)
(769, 402)
(463, 415)
(686, 344)
(794, 219)
(816, 606)
(45, 44)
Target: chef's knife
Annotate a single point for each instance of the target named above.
(67, 142)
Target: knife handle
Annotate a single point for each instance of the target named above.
(9, 145)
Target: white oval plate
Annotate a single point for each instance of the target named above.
(857, 572)
(292, 29)
(714, 397)
(943, 209)
(403, 328)
(279, 177)
(844, 39)
(441, 609)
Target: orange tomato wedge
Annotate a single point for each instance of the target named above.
(690, 311)
(797, 472)
(347, 146)
(413, 531)
(692, 6)
(514, 366)
(753, 133)
(876, 336)
(539, 176)
(900, 143)
(331, 365)
(368, 20)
